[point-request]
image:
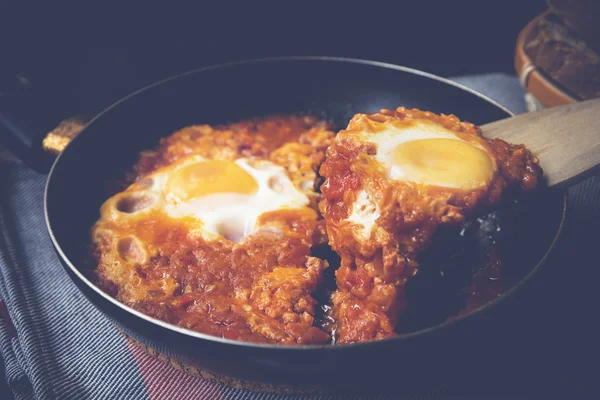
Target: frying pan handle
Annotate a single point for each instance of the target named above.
(31, 131)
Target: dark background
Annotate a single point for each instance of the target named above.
(85, 55)
(81, 57)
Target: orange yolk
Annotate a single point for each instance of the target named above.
(444, 162)
(207, 177)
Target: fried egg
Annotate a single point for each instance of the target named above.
(425, 153)
(224, 197)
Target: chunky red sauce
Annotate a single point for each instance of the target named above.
(288, 286)
(370, 301)
(259, 289)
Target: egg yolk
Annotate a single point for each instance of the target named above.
(207, 177)
(443, 162)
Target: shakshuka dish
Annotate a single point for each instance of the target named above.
(280, 230)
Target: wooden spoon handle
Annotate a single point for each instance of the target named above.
(565, 139)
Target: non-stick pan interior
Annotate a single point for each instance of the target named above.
(329, 89)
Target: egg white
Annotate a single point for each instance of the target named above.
(364, 213)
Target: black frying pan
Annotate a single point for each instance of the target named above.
(329, 88)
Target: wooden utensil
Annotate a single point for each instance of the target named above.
(565, 139)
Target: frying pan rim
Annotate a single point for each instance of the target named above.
(328, 347)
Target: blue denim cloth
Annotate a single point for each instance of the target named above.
(55, 345)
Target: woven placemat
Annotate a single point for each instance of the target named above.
(218, 378)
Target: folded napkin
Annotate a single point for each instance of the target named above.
(55, 345)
